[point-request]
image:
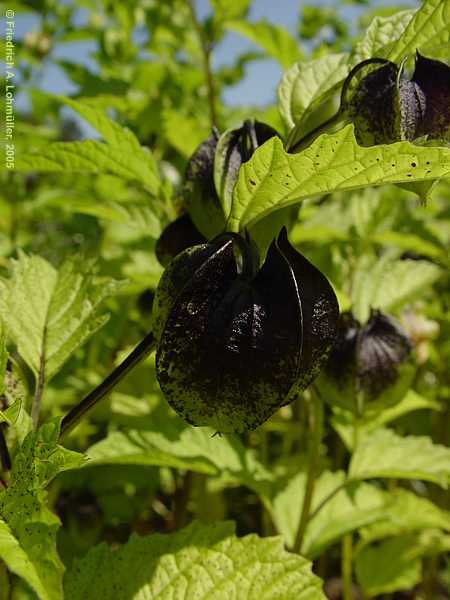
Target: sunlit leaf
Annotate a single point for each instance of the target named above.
(273, 179)
(195, 562)
(27, 527)
(383, 453)
(49, 313)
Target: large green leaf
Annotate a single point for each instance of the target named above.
(389, 283)
(307, 84)
(381, 36)
(27, 528)
(121, 155)
(172, 443)
(383, 453)
(49, 313)
(427, 30)
(273, 179)
(351, 508)
(200, 561)
(274, 39)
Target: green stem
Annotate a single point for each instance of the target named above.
(5, 459)
(316, 414)
(292, 146)
(346, 567)
(181, 500)
(73, 417)
(206, 54)
(311, 136)
(39, 390)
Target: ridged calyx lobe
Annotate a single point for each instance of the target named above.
(234, 341)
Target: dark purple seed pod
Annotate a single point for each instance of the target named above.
(366, 358)
(432, 77)
(235, 342)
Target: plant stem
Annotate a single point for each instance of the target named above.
(316, 415)
(206, 54)
(309, 137)
(329, 497)
(5, 459)
(181, 500)
(346, 566)
(73, 417)
(36, 405)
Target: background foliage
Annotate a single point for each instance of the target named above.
(137, 503)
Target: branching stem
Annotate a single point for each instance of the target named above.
(73, 417)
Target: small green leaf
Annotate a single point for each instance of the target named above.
(27, 527)
(199, 561)
(351, 508)
(405, 513)
(392, 566)
(274, 39)
(383, 453)
(49, 313)
(273, 179)
(183, 132)
(121, 155)
(343, 421)
(389, 283)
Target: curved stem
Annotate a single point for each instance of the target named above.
(317, 431)
(73, 417)
(310, 137)
(206, 53)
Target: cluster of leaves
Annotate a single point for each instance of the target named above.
(139, 504)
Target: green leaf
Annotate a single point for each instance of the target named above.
(383, 453)
(343, 421)
(199, 561)
(428, 29)
(349, 509)
(27, 528)
(405, 513)
(389, 283)
(392, 566)
(183, 132)
(395, 564)
(132, 214)
(50, 313)
(307, 84)
(170, 442)
(274, 39)
(381, 36)
(273, 179)
(223, 9)
(121, 155)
